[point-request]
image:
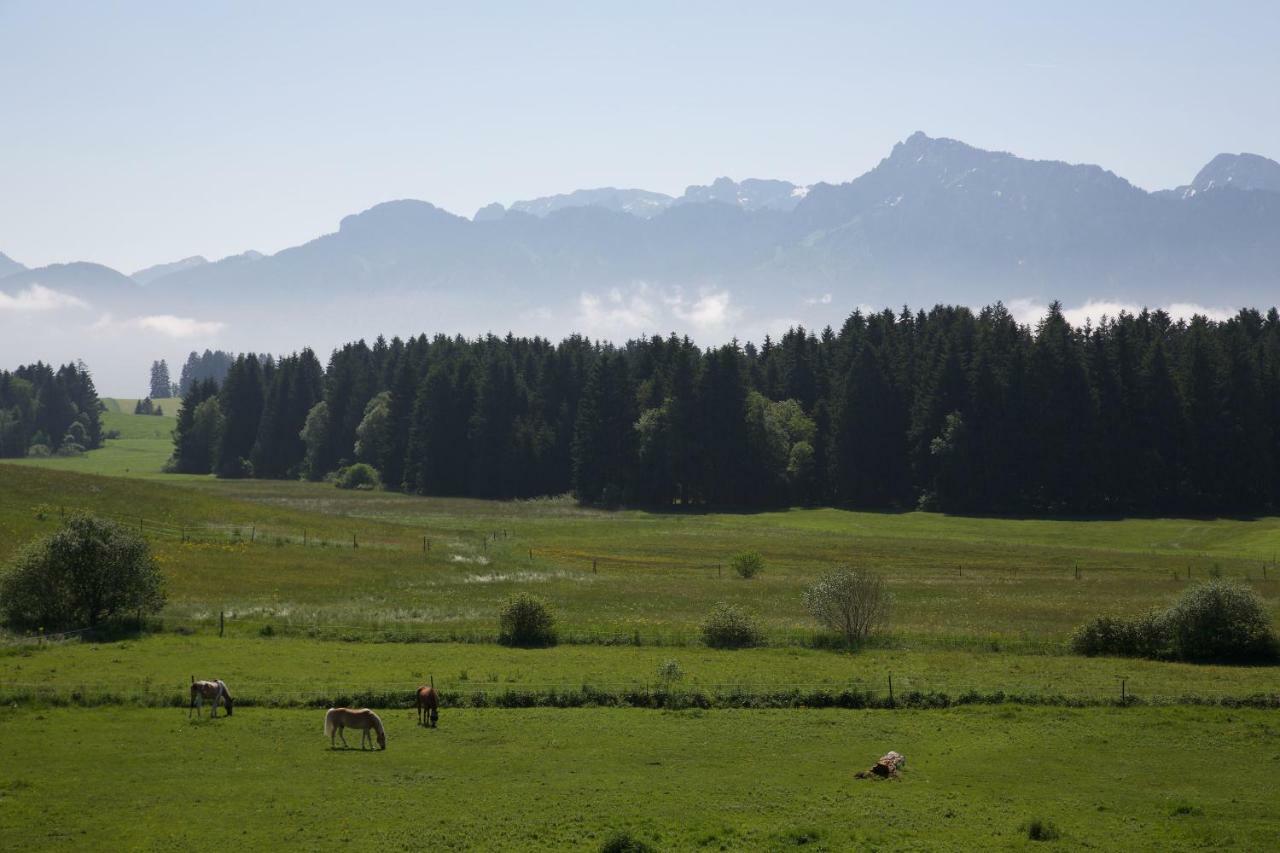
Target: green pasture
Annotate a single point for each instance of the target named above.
(1116, 779)
(327, 593)
(237, 547)
(145, 442)
(295, 671)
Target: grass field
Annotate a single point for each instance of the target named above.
(290, 671)
(1114, 779)
(964, 580)
(983, 607)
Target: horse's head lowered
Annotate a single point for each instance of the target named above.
(382, 738)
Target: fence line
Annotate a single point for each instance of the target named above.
(1180, 566)
(892, 689)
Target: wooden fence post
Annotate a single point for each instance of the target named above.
(891, 689)
(253, 533)
(354, 543)
(593, 568)
(222, 622)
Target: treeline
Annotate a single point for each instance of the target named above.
(946, 409)
(209, 364)
(45, 411)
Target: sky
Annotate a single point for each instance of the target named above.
(143, 132)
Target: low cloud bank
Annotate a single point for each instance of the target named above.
(38, 298)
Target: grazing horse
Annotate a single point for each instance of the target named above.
(428, 706)
(337, 719)
(213, 691)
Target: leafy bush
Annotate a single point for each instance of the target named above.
(70, 448)
(361, 476)
(669, 672)
(1146, 636)
(89, 571)
(852, 602)
(748, 564)
(235, 469)
(526, 621)
(1041, 830)
(623, 842)
(1219, 620)
(38, 451)
(729, 626)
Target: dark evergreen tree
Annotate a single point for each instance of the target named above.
(160, 383)
(241, 400)
(604, 438)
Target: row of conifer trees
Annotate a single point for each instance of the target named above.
(948, 408)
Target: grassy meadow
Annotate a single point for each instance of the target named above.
(1130, 779)
(982, 606)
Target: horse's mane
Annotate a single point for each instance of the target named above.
(377, 721)
(225, 691)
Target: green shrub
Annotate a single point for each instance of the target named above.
(87, 572)
(669, 672)
(1145, 636)
(623, 842)
(38, 451)
(748, 564)
(526, 621)
(361, 476)
(729, 626)
(1041, 830)
(1221, 621)
(852, 602)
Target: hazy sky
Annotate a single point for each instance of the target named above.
(137, 133)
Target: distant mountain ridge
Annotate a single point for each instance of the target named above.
(750, 194)
(159, 271)
(1239, 171)
(8, 266)
(935, 220)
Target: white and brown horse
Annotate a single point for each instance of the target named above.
(428, 706)
(212, 692)
(337, 719)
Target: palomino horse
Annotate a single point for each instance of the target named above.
(212, 691)
(428, 705)
(337, 719)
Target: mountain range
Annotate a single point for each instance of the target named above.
(935, 221)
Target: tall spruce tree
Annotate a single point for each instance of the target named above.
(241, 401)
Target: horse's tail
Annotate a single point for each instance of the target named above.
(328, 722)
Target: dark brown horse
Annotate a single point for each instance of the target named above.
(428, 706)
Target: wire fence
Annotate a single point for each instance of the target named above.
(477, 545)
(888, 691)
